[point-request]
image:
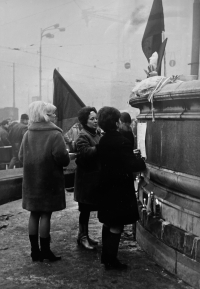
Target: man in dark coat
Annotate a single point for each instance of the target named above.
(4, 141)
(16, 133)
(5, 153)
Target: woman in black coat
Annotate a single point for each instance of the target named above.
(117, 200)
(44, 154)
(87, 173)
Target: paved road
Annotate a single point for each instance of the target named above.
(78, 269)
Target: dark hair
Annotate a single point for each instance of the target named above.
(84, 113)
(24, 116)
(107, 118)
(4, 122)
(125, 117)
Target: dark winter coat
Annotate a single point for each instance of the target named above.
(4, 141)
(117, 200)
(129, 135)
(44, 154)
(15, 137)
(87, 171)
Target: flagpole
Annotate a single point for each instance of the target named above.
(164, 56)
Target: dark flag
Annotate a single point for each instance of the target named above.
(152, 38)
(160, 56)
(67, 102)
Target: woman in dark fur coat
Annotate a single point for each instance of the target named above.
(44, 154)
(87, 173)
(117, 200)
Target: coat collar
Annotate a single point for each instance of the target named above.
(86, 130)
(44, 126)
(113, 132)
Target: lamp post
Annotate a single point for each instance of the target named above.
(48, 35)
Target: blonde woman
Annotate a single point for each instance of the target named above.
(44, 154)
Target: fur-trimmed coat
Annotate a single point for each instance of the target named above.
(87, 171)
(44, 154)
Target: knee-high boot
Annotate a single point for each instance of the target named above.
(46, 252)
(35, 251)
(104, 235)
(111, 250)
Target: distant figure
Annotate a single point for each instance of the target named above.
(16, 133)
(9, 122)
(71, 136)
(4, 141)
(12, 123)
(52, 116)
(125, 127)
(134, 130)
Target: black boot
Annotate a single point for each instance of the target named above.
(35, 251)
(111, 250)
(46, 252)
(104, 235)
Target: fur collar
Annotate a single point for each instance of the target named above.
(44, 126)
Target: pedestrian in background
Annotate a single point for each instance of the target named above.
(126, 130)
(43, 154)
(125, 127)
(16, 133)
(71, 136)
(87, 173)
(4, 141)
(117, 200)
(134, 130)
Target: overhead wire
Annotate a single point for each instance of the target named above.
(35, 14)
(50, 57)
(92, 13)
(79, 74)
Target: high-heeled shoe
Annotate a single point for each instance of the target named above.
(92, 242)
(83, 241)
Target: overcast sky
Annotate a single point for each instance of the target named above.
(100, 37)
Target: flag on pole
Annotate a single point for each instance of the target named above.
(160, 56)
(67, 102)
(152, 38)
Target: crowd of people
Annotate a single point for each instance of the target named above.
(104, 177)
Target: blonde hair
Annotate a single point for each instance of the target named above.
(39, 110)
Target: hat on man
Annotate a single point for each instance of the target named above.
(24, 116)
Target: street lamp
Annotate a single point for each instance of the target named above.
(48, 35)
